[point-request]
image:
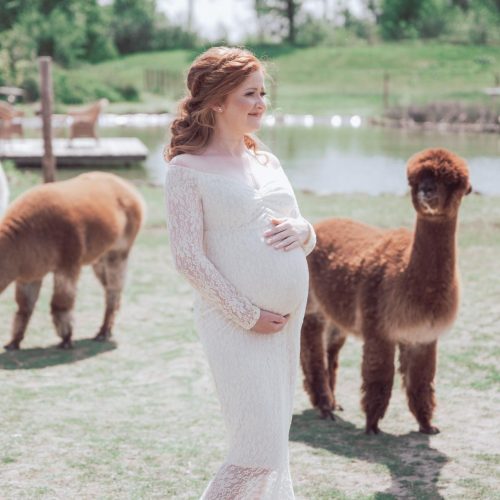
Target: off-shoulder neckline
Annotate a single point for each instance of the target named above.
(215, 174)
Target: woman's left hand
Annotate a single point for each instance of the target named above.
(287, 233)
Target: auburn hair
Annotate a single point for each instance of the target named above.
(212, 76)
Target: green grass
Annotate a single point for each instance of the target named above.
(138, 418)
(325, 80)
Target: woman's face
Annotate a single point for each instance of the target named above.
(243, 109)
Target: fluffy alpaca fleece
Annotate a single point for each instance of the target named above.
(391, 288)
(59, 227)
(4, 191)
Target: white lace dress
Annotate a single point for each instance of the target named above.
(216, 225)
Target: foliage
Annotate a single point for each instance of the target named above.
(459, 20)
(400, 18)
(72, 31)
(313, 32)
(133, 25)
(278, 18)
(345, 77)
(72, 88)
(168, 36)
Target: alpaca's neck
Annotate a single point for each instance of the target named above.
(8, 260)
(433, 254)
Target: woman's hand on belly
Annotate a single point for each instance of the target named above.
(287, 233)
(269, 322)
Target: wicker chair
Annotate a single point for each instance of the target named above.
(10, 124)
(84, 119)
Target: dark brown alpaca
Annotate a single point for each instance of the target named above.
(392, 288)
(59, 227)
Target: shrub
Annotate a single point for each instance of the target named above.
(76, 89)
(128, 92)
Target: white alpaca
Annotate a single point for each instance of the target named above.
(4, 191)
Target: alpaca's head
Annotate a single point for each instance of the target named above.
(438, 180)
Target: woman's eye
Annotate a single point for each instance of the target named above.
(263, 94)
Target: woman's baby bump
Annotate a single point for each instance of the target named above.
(275, 280)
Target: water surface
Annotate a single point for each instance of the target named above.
(328, 160)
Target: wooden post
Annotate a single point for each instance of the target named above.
(48, 160)
(386, 89)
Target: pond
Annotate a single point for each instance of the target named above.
(326, 160)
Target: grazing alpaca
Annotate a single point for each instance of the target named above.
(391, 288)
(58, 227)
(4, 191)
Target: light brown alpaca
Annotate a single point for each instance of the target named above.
(390, 288)
(59, 227)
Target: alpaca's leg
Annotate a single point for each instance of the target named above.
(335, 341)
(63, 300)
(111, 270)
(26, 297)
(418, 368)
(378, 376)
(312, 357)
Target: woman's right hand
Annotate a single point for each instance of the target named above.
(269, 322)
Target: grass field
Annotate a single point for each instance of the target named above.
(326, 80)
(138, 418)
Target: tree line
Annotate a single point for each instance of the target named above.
(455, 21)
(75, 31)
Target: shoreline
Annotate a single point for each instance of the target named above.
(139, 120)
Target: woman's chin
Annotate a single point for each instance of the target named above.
(254, 124)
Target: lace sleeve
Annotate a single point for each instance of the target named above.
(185, 228)
(310, 243)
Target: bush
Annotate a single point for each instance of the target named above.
(31, 85)
(312, 32)
(167, 37)
(128, 92)
(75, 89)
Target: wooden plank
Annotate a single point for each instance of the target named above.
(78, 152)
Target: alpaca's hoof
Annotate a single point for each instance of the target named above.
(102, 336)
(429, 429)
(65, 344)
(327, 413)
(11, 346)
(372, 429)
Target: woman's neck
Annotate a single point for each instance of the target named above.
(226, 144)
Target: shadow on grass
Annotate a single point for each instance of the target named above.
(413, 464)
(28, 359)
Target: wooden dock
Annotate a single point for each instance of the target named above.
(116, 151)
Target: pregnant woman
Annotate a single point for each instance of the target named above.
(237, 235)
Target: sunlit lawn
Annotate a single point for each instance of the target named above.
(139, 418)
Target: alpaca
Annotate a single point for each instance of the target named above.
(4, 191)
(392, 288)
(58, 227)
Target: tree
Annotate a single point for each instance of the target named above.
(281, 15)
(411, 19)
(67, 30)
(133, 25)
